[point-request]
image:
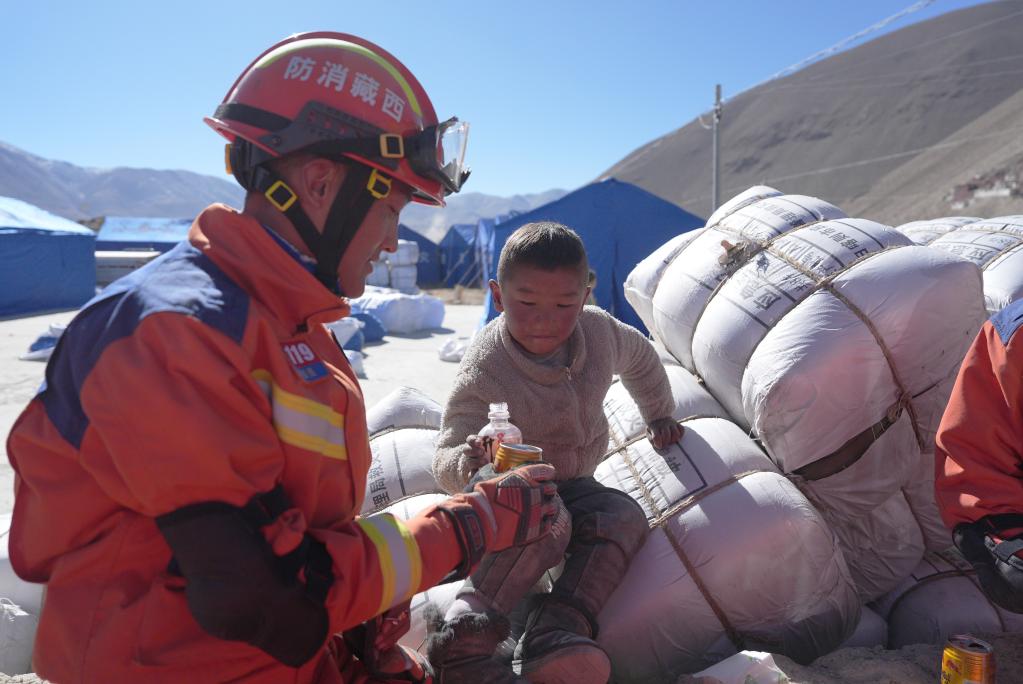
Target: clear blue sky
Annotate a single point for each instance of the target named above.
(556, 91)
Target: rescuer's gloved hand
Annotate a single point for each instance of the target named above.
(520, 503)
(516, 508)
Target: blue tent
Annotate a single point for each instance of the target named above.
(428, 269)
(459, 256)
(46, 262)
(127, 232)
(620, 224)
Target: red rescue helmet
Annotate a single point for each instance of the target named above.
(337, 95)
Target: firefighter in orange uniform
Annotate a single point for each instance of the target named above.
(189, 475)
(979, 478)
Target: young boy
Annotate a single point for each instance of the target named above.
(552, 360)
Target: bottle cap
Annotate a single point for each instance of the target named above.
(498, 410)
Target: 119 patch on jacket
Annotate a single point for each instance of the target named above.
(304, 361)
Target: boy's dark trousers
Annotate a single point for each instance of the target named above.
(597, 533)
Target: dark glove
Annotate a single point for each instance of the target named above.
(236, 587)
(997, 562)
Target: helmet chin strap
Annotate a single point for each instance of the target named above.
(347, 213)
(349, 209)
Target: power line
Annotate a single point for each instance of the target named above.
(858, 36)
(842, 44)
(840, 85)
(937, 39)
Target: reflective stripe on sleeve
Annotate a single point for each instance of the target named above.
(302, 422)
(401, 566)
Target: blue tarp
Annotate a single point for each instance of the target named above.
(466, 251)
(46, 262)
(127, 232)
(485, 232)
(620, 224)
(428, 269)
(458, 254)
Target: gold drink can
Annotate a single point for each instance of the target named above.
(513, 455)
(967, 660)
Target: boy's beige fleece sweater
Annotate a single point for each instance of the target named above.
(559, 409)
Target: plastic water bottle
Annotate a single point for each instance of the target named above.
(498, 430)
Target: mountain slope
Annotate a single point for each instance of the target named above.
(847, 129)
(78, 193)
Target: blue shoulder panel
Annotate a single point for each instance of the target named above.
(1007, 321)
(183, 280)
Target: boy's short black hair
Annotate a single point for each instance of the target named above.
(546, 245)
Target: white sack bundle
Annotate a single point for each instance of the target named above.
(380, 276)
(743, 199)
(407, 254)
(403, 278)
(401, 467)
(737, 559)
(996, 246)
(926, 232)
(919, 491)
(691, 401)
(404, 407)
(20, 604)
(401, 313)
(871, 631)
(880, 548)
(642, 282)
(874, 345)
(344, 329)
(683, 287)
(940, 598)
(355, 361)
(17, 638)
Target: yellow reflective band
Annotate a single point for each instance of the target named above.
(302, 422)
(401, 565)
(338, 44)
(312, 443)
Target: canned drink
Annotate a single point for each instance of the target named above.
(967, 660)
(513, 455)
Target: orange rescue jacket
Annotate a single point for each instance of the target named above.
(207, 375)
(979, 455)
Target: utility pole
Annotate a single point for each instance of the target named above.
(716, 163)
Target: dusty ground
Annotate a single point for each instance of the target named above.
(917, 664)
(920, 664)
(459, 295)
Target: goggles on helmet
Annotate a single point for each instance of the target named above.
(436, 152)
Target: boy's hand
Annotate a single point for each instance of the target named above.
(391, 626)
(664, 431)
(476, 452)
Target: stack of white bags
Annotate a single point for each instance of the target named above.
(397, 270)
(994, 245)
(810, 356)
(835, 342)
